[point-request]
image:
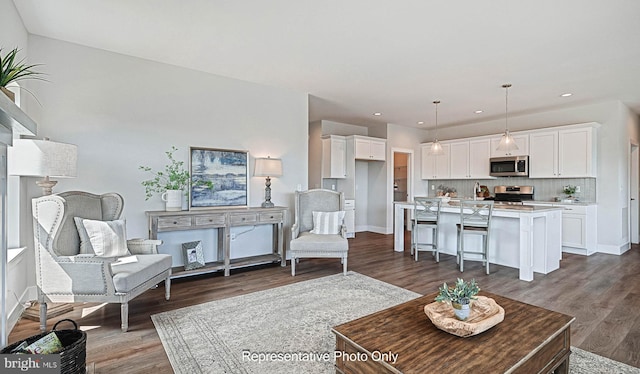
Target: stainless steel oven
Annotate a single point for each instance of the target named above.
(512, 166)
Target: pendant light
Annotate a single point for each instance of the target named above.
(436, 147)
(507, 144)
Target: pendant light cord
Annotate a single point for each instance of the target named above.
(436, 103)
(506, 106)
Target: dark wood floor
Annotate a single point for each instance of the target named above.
(601, 291)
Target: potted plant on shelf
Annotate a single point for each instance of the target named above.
(170, 182)
(460, 296)
(13, 70)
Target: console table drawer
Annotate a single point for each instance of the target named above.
(271, 217)
(211, 219)
(243, 218)
(177, 222)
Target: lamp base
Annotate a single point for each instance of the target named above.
(47, 185)
(268, 204)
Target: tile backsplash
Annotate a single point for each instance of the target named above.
(543, 189)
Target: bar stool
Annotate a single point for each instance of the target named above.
(475, 218)
(426, 213)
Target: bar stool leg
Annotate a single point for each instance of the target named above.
(436, 251)
(486, 251)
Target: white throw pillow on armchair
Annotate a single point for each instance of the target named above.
(327, 223)
(105, 238)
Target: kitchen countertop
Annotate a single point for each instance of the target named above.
(528, 208)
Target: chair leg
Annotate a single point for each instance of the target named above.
(293, 267)
(486, 251)
(414, 240)
(43, 315)
(435, 244)
(124, 316)
(167, 287)
(458, 247)
(344, 265)
(461, 244)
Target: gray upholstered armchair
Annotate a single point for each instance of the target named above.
(66, 273)
(323, 235)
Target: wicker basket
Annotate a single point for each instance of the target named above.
(74, 347)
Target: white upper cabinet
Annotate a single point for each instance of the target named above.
(521, 140)
(543, 155)
(564, 153)
(334, 157)
(371, 149)
(435, 166)
(576, 153)
(470, 159)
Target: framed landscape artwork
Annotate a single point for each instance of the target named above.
(226, 169)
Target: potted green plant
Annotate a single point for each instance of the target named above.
(569, 190)
(171, 182)
(13, 70)
(459, 296)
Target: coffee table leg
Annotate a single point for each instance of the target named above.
(563, 368)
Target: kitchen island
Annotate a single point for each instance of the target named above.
(528, 238)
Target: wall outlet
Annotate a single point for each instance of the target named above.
(233, 236)
(577, 189)
(433, 187)
(333, 187)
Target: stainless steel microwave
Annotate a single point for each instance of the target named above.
(512, 166)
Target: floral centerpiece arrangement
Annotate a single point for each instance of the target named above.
(460, 296)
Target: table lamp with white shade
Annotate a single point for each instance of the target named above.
(268, 167)
(43, 158)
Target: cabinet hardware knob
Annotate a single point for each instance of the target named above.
(271, 217)
(243, 218)
(175, 222)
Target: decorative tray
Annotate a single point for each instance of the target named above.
(485, 313)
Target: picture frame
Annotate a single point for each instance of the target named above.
(193, 255)
(226, 169)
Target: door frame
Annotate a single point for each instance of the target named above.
(410, 180)
(634, 193)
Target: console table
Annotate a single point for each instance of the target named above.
(222, 220)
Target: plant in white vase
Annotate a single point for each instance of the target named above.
(171, 182)
(460, 296)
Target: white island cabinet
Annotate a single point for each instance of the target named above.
(525, 238)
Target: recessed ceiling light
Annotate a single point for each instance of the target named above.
(478, 111)
(420, 122)
(377, 114)
(566, 94)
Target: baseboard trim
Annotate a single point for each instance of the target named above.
(612, 249)
(29, 294)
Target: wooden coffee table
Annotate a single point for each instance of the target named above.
(402, 339)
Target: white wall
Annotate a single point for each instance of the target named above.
(124, 112)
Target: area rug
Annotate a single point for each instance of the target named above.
(234, 335)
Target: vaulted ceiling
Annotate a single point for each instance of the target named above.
(358, 57)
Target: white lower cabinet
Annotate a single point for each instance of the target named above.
(579, 228)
